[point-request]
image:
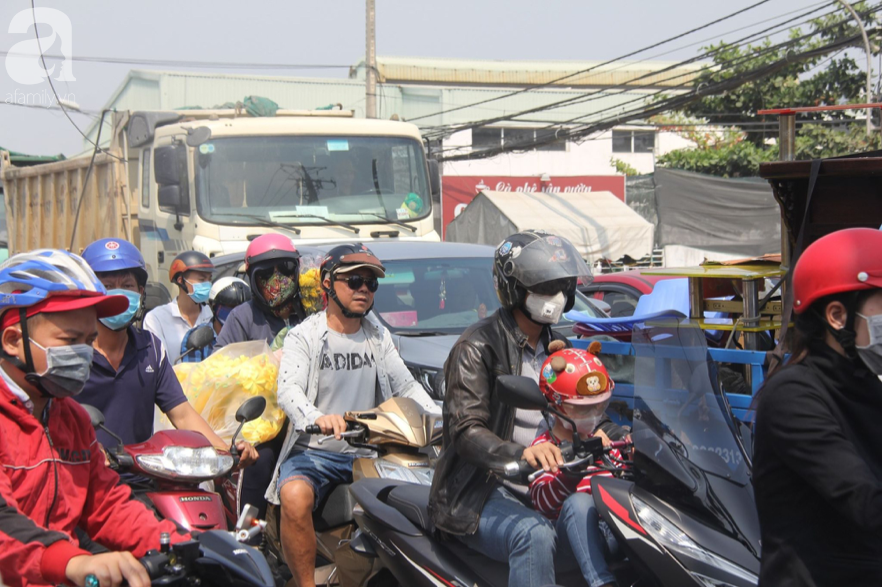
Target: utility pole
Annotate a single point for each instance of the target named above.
(869, 52)
(370, 62)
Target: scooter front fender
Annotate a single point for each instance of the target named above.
(194, 510)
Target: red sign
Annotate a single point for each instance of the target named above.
(458, 191)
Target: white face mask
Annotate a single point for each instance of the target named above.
(545, 309)
(871, 354)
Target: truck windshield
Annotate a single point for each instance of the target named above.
(311, 180)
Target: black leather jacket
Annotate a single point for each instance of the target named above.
(476, 424)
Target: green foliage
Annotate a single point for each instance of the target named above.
(623, 167)
(823, 80)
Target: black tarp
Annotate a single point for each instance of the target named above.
(736, 216)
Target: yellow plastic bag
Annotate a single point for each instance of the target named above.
(217, 386)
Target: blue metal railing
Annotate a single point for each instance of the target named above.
(624, 391)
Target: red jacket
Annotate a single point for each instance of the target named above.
(52, 479)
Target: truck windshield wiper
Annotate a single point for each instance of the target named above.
(327, 222)
(390, 221)
(263, 222)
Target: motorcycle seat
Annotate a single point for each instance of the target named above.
(413, 502)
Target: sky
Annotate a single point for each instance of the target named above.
(330, 32)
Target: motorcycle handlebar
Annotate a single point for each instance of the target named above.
(312, 429)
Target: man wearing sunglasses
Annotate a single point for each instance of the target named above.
(335, 361)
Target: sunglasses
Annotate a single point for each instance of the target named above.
(356, 281)
(288, 268)
(567, 285)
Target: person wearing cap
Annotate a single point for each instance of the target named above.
(191, 271)
(337, 360)
(227, 293)
(130, 372)
(817, 460)
(54, 479)
(272, 264)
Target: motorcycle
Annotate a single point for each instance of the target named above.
(404, 437)
(169, 467)
(215, 557)
(683, 511)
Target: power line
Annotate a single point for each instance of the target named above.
(672, 103)
(177, 63)
(602, 93)
(593, 67)
(57, 99)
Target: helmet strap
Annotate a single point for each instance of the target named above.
(29, 369)
(346, 311)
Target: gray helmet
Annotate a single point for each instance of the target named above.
(540, 262)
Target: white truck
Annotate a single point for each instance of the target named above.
(213, 180)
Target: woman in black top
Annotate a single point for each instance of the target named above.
(818, 456)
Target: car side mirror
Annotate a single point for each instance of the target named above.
(520, 392)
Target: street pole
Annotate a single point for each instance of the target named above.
(869, 65)
(370, 62)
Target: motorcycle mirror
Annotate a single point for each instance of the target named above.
(200, 337)
(251, 409)
(520, 392)
(95, 415)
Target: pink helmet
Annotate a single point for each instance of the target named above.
(269, 247)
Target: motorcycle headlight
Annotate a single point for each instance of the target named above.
(667, 534)
(182, 462)
(416, 475)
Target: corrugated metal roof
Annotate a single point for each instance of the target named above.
(525, 73)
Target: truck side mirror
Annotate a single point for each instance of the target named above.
(435, 177)
(168, 162)
(170, 197)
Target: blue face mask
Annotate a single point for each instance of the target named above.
(121, 321)
(200, 292)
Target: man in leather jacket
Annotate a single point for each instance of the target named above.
(535, 275)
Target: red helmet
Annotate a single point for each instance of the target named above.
(269, 247)
(842, 261)
(576, 377)
(189, 261)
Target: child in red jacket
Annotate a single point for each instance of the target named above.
(577, 384)
(52, 473)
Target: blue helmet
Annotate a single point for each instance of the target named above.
(29, 278)
(115, 254)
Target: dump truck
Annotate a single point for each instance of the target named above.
(213, 180)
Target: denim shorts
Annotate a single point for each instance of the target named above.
(322, 470)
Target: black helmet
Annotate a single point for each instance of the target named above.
(537, 261)
(345, 258)
(229, 292)
(189, 261)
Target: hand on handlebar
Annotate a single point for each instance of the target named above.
(111, 569)
(247, 454)
(332, 424)
(544, 456)
(603, 437)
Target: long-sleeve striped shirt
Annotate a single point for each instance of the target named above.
(549, 490)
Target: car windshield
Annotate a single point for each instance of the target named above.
(444, 295)
(311, 180)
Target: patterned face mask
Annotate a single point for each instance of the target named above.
(276, 287)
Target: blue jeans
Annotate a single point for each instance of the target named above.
(579, 532)
(322, 470)
(510, 532)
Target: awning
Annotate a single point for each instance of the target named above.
(598, 224)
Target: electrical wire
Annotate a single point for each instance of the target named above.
(57, 99)
(178, 63)
(593, 67)
(659, 107)
(603, 93)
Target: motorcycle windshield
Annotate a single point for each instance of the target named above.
(682, 419)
